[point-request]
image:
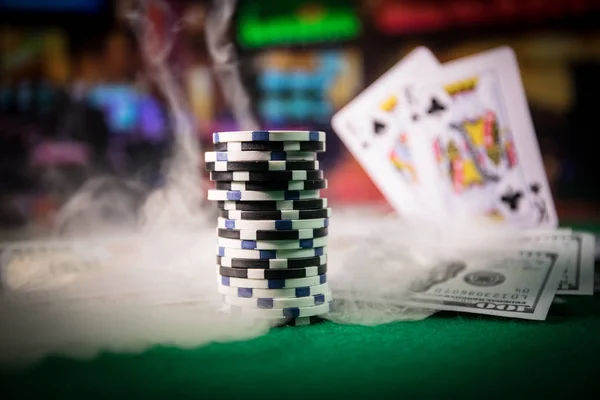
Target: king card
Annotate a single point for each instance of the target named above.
(476, 122)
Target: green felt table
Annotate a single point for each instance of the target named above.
(448, 355)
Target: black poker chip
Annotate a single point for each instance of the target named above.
(275, 215)
(268, 176)
(269, 205)
(253, 273)
(297, 234)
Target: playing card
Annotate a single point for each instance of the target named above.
(375, 128)
(475, 119)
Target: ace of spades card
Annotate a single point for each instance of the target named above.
(375, 127)
(475, 119)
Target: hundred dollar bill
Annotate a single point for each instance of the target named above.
(43, 264)
(516, 285)
(578, 277)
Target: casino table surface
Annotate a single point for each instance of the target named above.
(448, 355)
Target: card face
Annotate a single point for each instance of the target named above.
(476, 122)
(375, 127)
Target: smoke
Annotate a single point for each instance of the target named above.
(219, 27)
(133, 268)
(130, 267)
(376, 259)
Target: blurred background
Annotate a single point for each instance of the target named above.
(75, 101)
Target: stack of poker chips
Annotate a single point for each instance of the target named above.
(273, 224)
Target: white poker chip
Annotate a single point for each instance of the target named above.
(259, 155)
(291, 312)
(272, 245)
(285, 224)
(277, 185)
(239, 195)
(268, 136)
(270, 146)
(310, 204)
(248, 292)
(255, 273)
(276, 263)
(270, 254)
(278, 302)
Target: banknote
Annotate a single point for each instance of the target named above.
(516, 285)
(32, 264)
(578, 277)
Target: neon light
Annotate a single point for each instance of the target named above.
(264, 23)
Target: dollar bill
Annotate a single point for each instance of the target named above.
(36, 264)
(519, 285)
(578, 276)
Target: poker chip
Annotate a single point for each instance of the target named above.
(269, 136)
(272, 244)
(276, 263)
(272, 229)
(275, 185)
(281, 224)
(248, 292)
(270, 254)
(246, 195)
(301, 321)
(267, 176)
(259, 155)
(273, 205)
(272, 273)
(273, 283)
(289, 312)
(269, 303)
(257, 234)
(270, 146)
(250, 166)
(280, 214)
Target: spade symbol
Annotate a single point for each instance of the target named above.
(415, 117)
(378, 127)
(435, 106)
(512, 198)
